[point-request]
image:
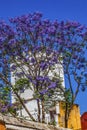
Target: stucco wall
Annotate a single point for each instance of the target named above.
(74, 118)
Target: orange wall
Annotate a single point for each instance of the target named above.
(74, 118)
(2, 126)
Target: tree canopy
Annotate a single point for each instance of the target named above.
(34, 47)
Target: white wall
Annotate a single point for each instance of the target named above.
(28, 94)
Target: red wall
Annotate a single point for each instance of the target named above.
(84, 121)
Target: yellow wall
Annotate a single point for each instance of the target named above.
(74, 118)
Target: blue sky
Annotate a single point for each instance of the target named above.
(52, 9)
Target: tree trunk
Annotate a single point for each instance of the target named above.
(39, 112)
(24, 106)
(43, 114)
(66, 115)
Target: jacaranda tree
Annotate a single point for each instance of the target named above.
(35, 47)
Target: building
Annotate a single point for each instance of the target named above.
(55, 114)
(27, 95)
(11, 123)
(84, 121)
(74, 119)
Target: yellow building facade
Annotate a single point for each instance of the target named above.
(74, 121)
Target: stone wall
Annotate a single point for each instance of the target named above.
(11, 123)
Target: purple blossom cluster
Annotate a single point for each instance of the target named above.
(52, 85)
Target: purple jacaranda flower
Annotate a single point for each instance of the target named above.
(69, 45)
(56, 40)
(34, 82)
(48, 39)
(43, 65)
(43, 92)
(60, 41)
(55, 59)
(25, 49)
(48, 51)
(52, 30)
(29, 77)
(46, 78)
(40, 78)
(46, 21)
(19, 74)
(1, 46)
(4, 109)
(2, 39)
(36, 48)
(75, 24)
(5, 61)
(52, 85)
(12, 42)
(32, 60)
(37, 99)
(36, 16)
(79, 29)
(25, 59)
(13, 67)
(55, 23)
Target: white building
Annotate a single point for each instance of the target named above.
(28, 96)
